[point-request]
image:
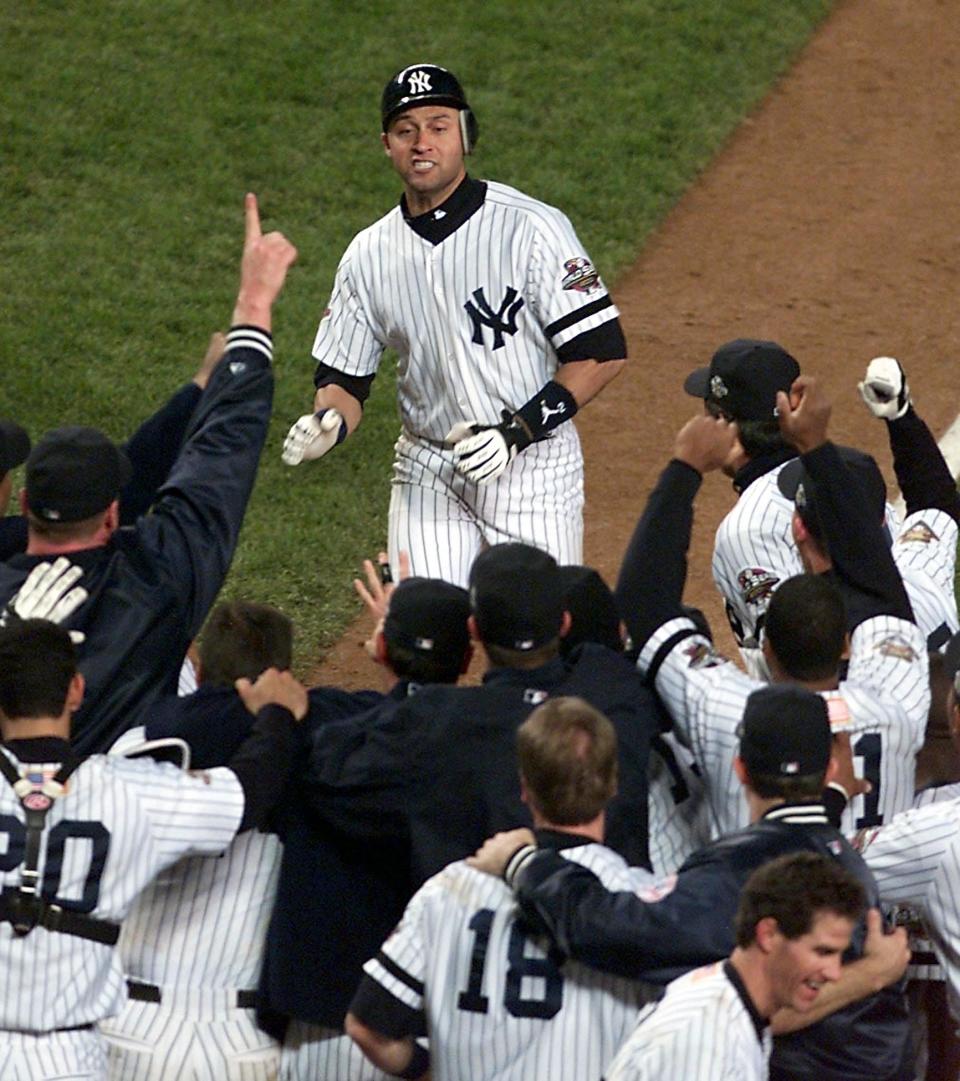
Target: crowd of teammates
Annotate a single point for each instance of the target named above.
(684, 866)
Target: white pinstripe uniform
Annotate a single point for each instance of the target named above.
(701, 1030)
(920, 968)
(883, 704)
(677, 807)
(497, 1004)
(754, 553)
(520, 262)
(925, 551)
(118, 825)
(197, 933)
(915, 860)
(312, 1051)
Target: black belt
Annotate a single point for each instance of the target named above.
(25, 913)
(149, 992)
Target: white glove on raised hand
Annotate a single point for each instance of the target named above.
(48, 592)
(884, 388)
(312, 435)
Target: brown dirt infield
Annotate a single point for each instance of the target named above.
(830, 223)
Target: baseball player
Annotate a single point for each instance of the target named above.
(884, 699)
(85, 835)
(687, 920)
(794, 921)
(192, 945)
(151, 584)
(460, 968)
(754, 550)
(336, 900)
(504, 330)
(460, 740)
(916, 861)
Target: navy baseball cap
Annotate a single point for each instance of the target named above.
(74, 473)
(516, 596)
(797, 485)
(14, 446)
(785, 732)
(743, 378)
(429, 617)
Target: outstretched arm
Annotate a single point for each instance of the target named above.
(154, 446)
(654, 570)
(658, 932)
(851, 527)
(923, 475)
(199, 511)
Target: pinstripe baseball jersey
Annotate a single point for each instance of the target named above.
(477, 320)
(883, 704)
(923, 962)
(705, 1028)
(118, 825)
(197, 933)
(915, 860)
(497, 1004)
(679, 814)
(754, 553)
(925, 551)
(202, 922)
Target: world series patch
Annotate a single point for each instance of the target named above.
(756, 584)
(581, 275)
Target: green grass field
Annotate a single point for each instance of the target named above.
(130, 132)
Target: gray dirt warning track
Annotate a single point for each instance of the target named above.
(830, 223)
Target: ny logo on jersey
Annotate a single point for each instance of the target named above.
(419, 82)
(502, 321)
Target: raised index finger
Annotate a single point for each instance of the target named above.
(252, 215)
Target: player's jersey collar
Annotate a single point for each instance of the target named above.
(446, 219)
(557, 840)
(800, 814)
(759, 1023)
(759, 466)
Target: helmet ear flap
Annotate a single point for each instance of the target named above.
(469, 130)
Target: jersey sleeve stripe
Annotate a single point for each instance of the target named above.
(665, 649)
(247, 337)
(400, 974)
(572, 318)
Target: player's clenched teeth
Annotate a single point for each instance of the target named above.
(423, 166)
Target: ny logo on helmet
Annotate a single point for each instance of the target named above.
(484, 316)
(420, 82)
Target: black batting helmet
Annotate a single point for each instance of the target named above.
(428, 84)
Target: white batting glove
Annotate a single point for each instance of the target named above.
(312, 435)
(48, 592)
(484, 456)
(884, 388)
(461, 430)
